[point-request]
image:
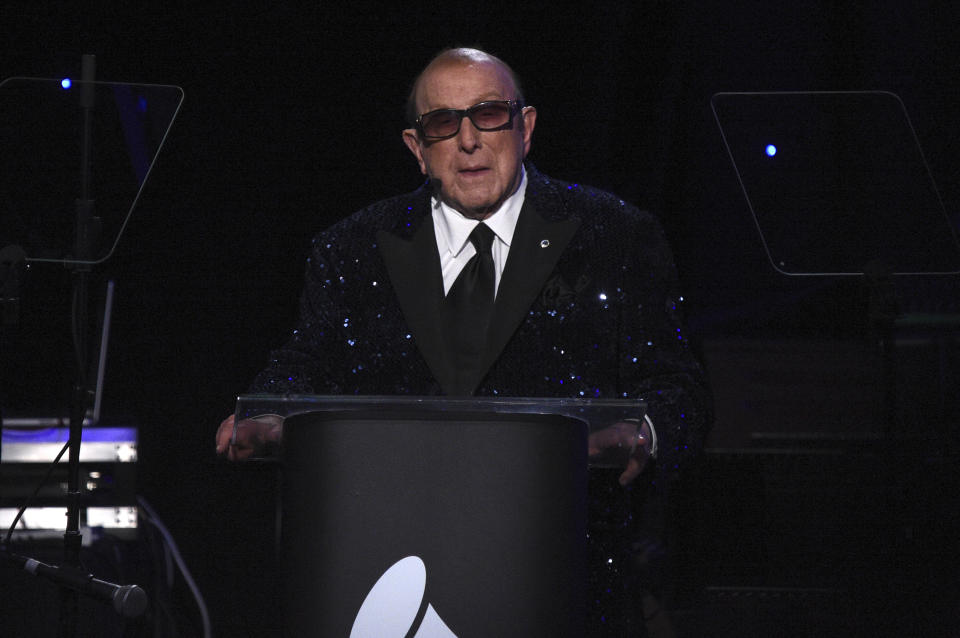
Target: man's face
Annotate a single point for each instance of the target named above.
(477, 170)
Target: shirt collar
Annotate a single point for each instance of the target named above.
(455, 227)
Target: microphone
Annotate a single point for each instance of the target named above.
(130, 601)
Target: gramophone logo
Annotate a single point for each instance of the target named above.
(395, 606)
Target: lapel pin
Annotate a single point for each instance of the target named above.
(544, 243)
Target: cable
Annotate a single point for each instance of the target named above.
(43, 481)
(152, 518)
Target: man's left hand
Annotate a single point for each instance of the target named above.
(623, 439)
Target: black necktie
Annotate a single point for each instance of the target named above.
(468, 307)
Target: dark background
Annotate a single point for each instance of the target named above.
(292, 120)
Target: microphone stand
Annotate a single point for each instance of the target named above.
(83, 251)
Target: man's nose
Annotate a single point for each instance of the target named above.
(468, 137)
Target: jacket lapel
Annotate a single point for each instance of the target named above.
(536, 246)
(414, 269)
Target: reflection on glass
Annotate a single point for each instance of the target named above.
(41, 132)
(846, 188)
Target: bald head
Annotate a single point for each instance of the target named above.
(475, 169)
(458, 57)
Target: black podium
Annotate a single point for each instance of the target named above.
(434, 518)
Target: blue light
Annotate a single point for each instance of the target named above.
(66, 83)
(771, 150)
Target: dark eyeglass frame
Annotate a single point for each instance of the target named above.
(513, 107)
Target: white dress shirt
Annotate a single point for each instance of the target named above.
(453, 230)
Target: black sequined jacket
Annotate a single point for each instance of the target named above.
(587, 307)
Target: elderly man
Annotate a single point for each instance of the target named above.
(495, 280)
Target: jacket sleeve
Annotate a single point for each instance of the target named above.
(304, 364)
(656, 362)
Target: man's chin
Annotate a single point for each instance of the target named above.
(474, 208)
(480, 213)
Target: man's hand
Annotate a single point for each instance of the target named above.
(252, 435)
(623, 444)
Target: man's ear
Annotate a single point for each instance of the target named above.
(412, 140)
(529, 115)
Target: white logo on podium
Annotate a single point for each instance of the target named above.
(391, 607)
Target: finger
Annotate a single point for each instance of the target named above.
(236, 453)
(223, 439)
(224, 434)
(634, 468)
(640, 441)
(221, 443)
(597, 442)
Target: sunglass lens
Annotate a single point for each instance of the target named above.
(490, 116)
(441, 123)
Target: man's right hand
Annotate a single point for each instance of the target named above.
(252, 436)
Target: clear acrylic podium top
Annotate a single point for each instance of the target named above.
(597, 414)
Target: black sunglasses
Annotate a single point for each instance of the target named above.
(486, 116)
